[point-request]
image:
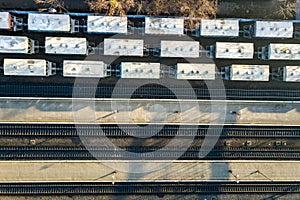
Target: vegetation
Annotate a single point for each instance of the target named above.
(187, 8)
(287, 9)
(57, 4)
(111, 7)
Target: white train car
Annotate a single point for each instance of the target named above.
(195, 71)
(270, 29)
(142, 70)
(176, 49)
(17, 44)
(288, 74)
(164, 26)
(28, 67)
(218, 28)
(10, 22)
(106, 24)
(232, 50)
(123, 47)
(52, 23)
(84, 68)
(66, 45)
(5, 20)
(238, 72)
(277, 51)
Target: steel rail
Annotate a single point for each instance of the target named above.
(180, 187)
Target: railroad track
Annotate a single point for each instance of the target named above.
(80, 153)
(113, 130)
(147, 188)
(147, 91)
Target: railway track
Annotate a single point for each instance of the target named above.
(147, 91)
(147, 188)
(115, 130)
(80, 153)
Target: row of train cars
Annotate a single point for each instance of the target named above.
(44, 22)
(149, 70)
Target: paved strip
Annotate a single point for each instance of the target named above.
(149, 111)
(104, 171)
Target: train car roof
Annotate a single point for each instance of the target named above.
(5, 20)
(164, 26)
(234, 50)
(195, 71)
(49, 22)
(14, 44)
(106, 24)
(219, 27)
(25, 67)
(187, 49)
(239, 72)
(143, 70)
(123, 47)
(84, 68)
(66, 45)
(273, 29)
(278, 51)
(291, 74)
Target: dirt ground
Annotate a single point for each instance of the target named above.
(226, 8)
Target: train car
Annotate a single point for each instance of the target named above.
(269, 29)
(5, 21)
(66, 45)
(28, 67)
(239, 72)
(176, 49)
(164, 26)
(218, 28)
(232, 50)
(142, 70)
(297, 33)
(123, 47)
(277, 51)
(10, 22)
(42, 22)
(18, 44)
(84, 68)
(288, 74)
(106, 24)
(195, 71)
